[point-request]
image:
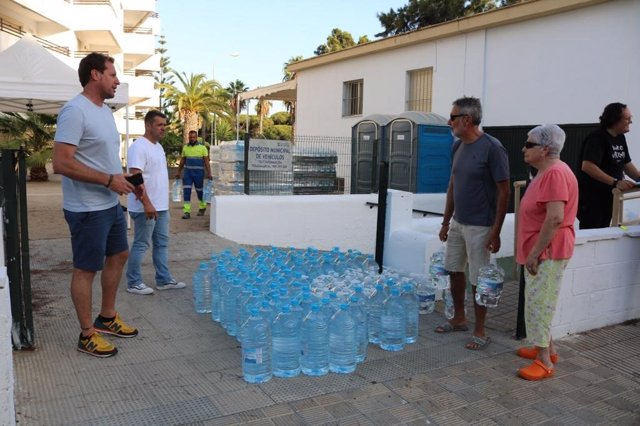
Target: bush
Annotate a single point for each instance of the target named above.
(278, 132)
(172, 145)
(281, 117)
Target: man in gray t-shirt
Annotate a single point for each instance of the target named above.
(476, 204)
(85, 152)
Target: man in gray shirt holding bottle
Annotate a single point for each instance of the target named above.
(475, 208)
(86, 153)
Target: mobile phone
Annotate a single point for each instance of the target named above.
(135, 180)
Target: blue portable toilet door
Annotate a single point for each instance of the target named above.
(401, 155)
(367, 136)
(434, 158)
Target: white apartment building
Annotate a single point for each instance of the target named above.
(70, 29)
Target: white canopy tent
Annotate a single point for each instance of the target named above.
(286, 91)
(277, 92)
(33, 80)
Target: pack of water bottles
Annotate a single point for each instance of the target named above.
(306, 311)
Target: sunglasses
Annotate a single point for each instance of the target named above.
(530, 145)
(454, 116)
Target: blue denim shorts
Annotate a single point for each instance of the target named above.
(95, 235)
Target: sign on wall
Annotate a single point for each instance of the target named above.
(269, 155)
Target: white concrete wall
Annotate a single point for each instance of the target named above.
(601, 285)
(321, 221)
(7, 408)
(555, 69)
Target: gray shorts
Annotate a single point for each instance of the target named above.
(466, 244)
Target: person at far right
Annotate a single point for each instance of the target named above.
(546, 239)
(604, 162)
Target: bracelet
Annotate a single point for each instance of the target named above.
(445, 223)
(615, 183)
(109, 182)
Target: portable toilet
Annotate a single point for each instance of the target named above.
(367, 141)
(419, 152)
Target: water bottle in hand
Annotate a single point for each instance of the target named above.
(439, 275)
(176, 191)
(490, 283)
(208, 191)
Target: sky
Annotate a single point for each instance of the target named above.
(250, 40)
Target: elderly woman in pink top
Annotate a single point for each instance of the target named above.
(545, 242)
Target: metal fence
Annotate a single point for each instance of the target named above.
(13, 200)
(320, 165)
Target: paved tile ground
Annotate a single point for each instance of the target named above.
(184, 370)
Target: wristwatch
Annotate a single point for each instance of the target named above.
(615, 182)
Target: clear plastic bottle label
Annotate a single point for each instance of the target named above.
(253, 356)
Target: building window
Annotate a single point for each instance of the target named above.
(420, 90)
(352, 98)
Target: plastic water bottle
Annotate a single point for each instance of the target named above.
(266, 310)
(314, 359)
(449, 310)
(342, 341)
(410, 301)
(362, 333)
(230, 309)
(214, 282)
(285, 348)
(202, 289)
(490, 283)
(256, 348)
(176, 191)
(393, 323)
(439, 276)
(426, 295)
(376, 303)
(208, 190)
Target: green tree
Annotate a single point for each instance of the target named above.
(195, 100)
(338, 40)
(288, 75)
(281, 117)
(225, 130)
(34, 132)
(422, 13)
(172, 144)
(279, 132)
(163, 76)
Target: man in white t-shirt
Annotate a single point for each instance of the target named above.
(150, 213)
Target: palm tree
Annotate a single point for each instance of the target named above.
(262, 109)
(35, 132)
(197, 98)
(233, 90)
(291, 106)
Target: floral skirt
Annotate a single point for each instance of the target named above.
(541, 297)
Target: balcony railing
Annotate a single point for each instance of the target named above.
(17, 31)
(137, 30)
(82, 53)
(139, 73)
(92, 2)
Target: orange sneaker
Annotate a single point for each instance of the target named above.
(532, 353)
(536, 371)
